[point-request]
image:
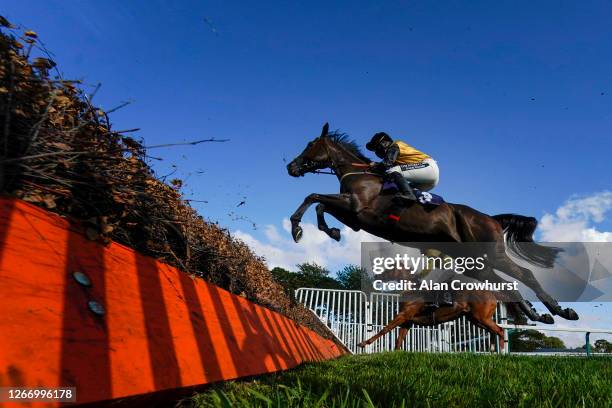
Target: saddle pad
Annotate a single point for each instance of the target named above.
(423, 197)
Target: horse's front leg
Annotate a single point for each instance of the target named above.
(333, 233)
(330, 201)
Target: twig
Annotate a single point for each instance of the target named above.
(46, 188)
(127, 130)
(116, 108)
(163, 178)
(93, 93)
(38, 124)
(38, 156)
(187, 143)
(7, 110)
(7, 122)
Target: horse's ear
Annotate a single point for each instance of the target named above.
(325, 129)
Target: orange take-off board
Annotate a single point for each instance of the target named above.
(115, 324)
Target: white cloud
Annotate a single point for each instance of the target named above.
(315, 246)
(573, 221)
(577, 221)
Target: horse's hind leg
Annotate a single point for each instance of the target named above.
(401, 336)
(482, 315)
(402, 317)
(495, 330)
(506, 265)
(512, 296)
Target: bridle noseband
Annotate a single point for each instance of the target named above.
(332, 165)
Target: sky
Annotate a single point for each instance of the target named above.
(513, 99)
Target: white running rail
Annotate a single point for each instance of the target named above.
(353, 317)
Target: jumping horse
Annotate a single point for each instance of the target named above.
(360, 205)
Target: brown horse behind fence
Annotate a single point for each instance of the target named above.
(477, 306)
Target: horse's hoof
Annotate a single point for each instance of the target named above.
(521, 319)
(569, 314)
(362, 344)
(546, 319)
(297, 232)
(335, 233)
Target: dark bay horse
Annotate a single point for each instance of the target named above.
(477, 306)
(360, 205)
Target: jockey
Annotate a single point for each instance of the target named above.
(405, 165)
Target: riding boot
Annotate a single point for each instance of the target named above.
(431, 302)
(406, 193)
(431, 305)
(446, 298)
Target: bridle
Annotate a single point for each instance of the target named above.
(333, 165)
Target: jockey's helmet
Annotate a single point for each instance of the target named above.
(377, 140)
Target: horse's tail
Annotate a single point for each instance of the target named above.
(519, 239)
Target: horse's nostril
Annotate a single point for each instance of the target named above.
(292, 169)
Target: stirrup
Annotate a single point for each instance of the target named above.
(445, 299)
(402, 198)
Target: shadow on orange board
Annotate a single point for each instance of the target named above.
(140, 328)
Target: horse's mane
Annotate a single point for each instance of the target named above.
(342, 139)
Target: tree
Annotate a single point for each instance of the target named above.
(313, 270)
(287, 279)
(350, 277)
(531, 340)
(308, 275)
(551, 342)
(602, 346)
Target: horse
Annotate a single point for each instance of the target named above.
(477, 306)
(360, 205)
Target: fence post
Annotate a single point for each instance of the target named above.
(588, 345)
(507, 340)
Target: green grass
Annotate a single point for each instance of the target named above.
(424, 380)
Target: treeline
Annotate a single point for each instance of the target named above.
(312, 275)
(533, 340)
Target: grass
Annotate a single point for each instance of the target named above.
(400, 379)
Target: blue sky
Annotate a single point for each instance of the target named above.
(452, 78)
(513, 99)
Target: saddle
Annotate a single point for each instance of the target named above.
(423, 197)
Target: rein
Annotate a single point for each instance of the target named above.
(354, 173)
(333, 173)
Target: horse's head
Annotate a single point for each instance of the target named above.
(314, 157)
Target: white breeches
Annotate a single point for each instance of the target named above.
(423, 175)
